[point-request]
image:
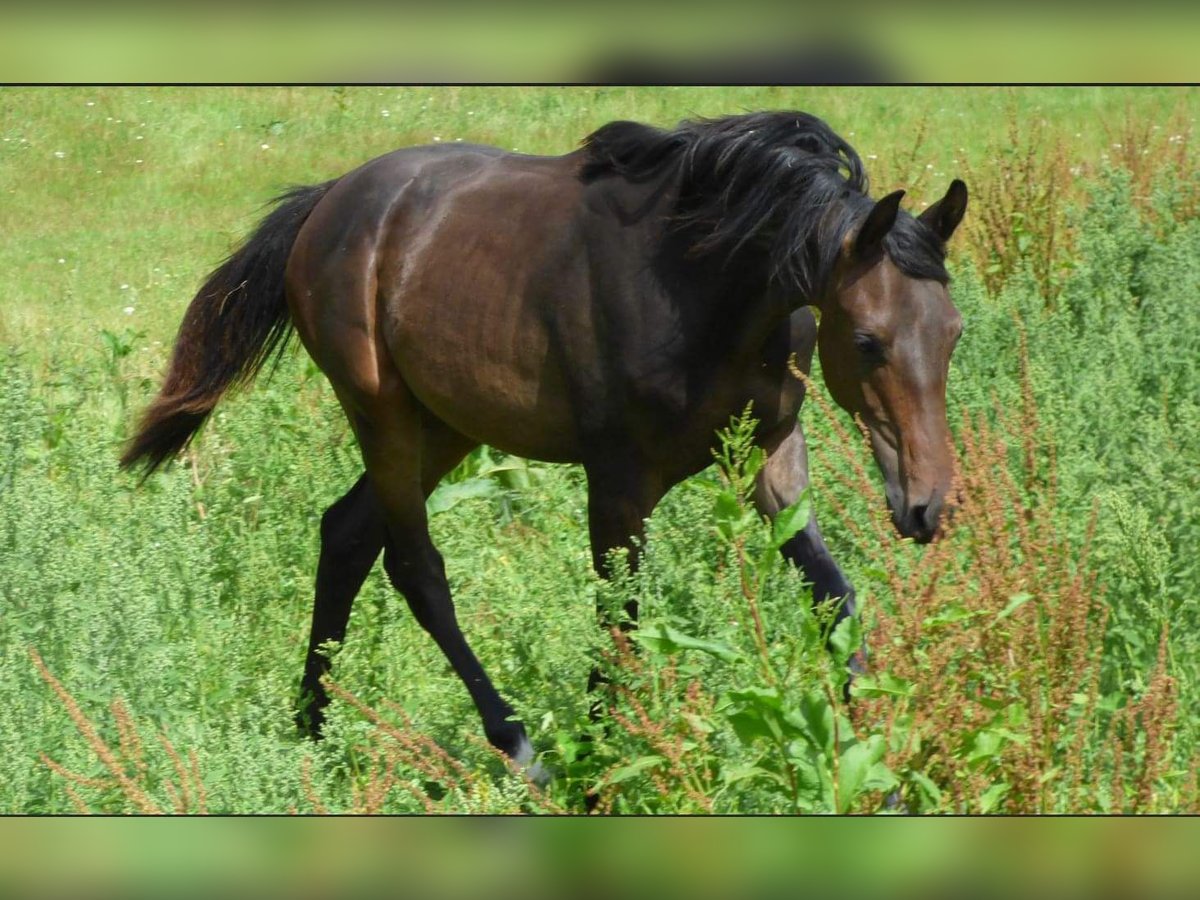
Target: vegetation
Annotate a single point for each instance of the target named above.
(1043, 657)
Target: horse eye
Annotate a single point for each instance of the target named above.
(869, 347)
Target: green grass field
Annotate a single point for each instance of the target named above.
(1043, 659)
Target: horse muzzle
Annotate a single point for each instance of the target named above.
(921, 518)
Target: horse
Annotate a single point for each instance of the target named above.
(611, 307)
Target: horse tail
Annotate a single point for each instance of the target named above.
(236, 323)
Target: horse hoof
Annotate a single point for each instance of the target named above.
(538, 774)
(893, 802)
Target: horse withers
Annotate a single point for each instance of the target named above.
(611, 307)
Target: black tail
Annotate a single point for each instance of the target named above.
(237, 321)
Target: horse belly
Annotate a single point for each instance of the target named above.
(477, 355)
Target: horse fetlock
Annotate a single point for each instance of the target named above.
(511, 739)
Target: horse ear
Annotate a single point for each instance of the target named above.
(943, 217)
(879, 222)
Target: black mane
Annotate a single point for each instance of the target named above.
(785, 180)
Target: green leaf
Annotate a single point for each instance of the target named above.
(754, 713)
(790, 520)
(635, 768)
(1011, 736)
(745, 772)
(846, 638)
(925, 783)
(855, 764)
(949, 616)
(813, 718)
(1015, 602)
(765, 697)
(992, 796)
(751, 724)
(881, 685)
(987, 743)
(876, 574)
(667, 640)
(568, 746)
(447, 496)
(727, 512)
(811, 770)
(881, 778)
(699, 723)
(516, 475)
(511, 464)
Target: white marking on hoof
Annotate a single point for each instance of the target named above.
(523, 758)
(523, 755)
(538, 774)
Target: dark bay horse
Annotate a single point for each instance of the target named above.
(611, 307)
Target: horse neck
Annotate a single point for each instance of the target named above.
(726, 305)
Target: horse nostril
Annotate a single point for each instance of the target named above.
(919, 513)
(924, 518)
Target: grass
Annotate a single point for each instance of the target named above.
(151, 638)
(181, 173)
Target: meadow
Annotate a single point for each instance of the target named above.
(1043, 657)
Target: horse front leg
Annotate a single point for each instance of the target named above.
(622, 492)
(782, 479)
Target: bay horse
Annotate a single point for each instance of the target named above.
(612, 307)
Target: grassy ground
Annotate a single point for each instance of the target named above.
(188, 598)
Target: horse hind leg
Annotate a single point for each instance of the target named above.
(406, 453)
(352, 536)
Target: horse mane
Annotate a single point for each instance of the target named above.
(785, 180)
